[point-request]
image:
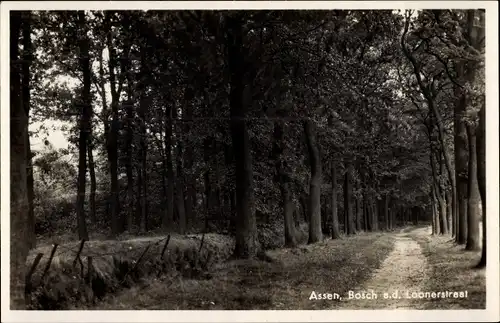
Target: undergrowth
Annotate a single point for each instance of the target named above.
(70, 283)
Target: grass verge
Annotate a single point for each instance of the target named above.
(283, 284)
(452, 270)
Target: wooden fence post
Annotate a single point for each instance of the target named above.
(79, 252)
(47, 267)
(90, 274)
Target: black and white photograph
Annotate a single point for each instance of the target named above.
(273, 159)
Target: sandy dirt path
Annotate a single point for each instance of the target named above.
(404, 271)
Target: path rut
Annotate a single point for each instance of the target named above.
(404, 271)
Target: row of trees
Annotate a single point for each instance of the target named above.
(448, 67)
(186, 119)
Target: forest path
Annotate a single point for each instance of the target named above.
(405, 270)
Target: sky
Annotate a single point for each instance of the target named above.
(57, 137)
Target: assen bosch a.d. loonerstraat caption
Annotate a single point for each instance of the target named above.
(397, 294)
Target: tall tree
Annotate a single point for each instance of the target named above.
(181, 210)
(19, 203)
(26, 98)
(112, 142)
(461, 165)
(168, 215)
(481, 177)
(129, 139)
(144, 100)
(334, 206)
(129, 155)
(348, 202)
(314, 207)
(247, 244)
(473, 198)
(359, 209)
(93, 181)
(283, 178)
(85, 117)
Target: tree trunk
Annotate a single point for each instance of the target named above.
(113, 168)
(232, 198)
(441, 194)
(229, 191)
(438, 205)
(138, 201)
(335, 214)
(104, 115)
(359, 211)
(19, 203)
(366, 213)
(85, 117)
(144, 202)
(359, 214)
(379, 205)
(112, 144)
(129, 152)
(315, 232)
(303, 206)
(392, 212)
(247, 243)
(476, 33)
(181, 211)
(168, 216)
(442, 213)
(449, 211)
(209, 200)
(26, 88)
(130, 191)
(190, 197)
(190, 200)
(435, 215)
(325, 217)
(386, 211)
(375, 215)
(436, 211)
(481, 177)
(348, 202)
(288, 208)
(473, 205)
(93, 183)
(283, 180)
(31, 194)
(461, 170)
